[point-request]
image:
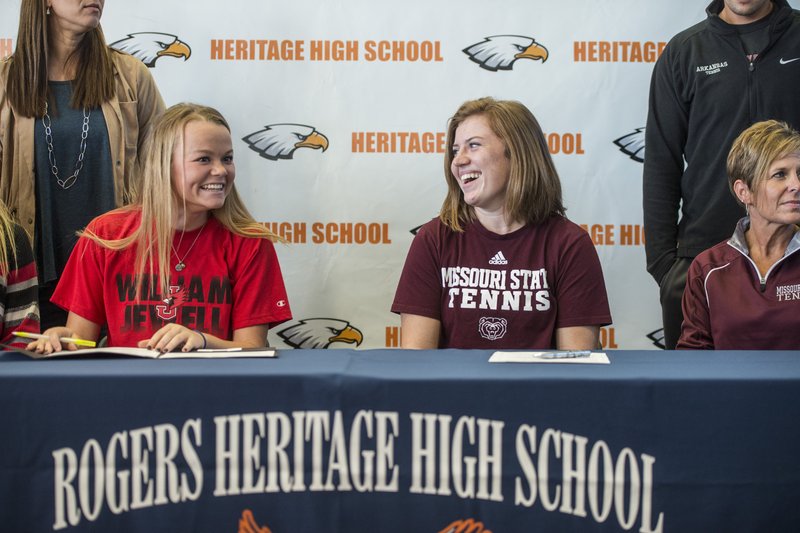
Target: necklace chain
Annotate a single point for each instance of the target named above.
(182, 260)
(48, 135)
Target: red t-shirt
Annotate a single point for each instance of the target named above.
(495, 291)
(229, 282)
(19, 309)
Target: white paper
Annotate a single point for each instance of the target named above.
(595, 358)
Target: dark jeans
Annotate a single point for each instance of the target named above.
(671, 290)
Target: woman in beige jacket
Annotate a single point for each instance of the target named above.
(73, 116)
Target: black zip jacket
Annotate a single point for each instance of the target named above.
(704, 92)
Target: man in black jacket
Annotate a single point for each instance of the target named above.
(739, 66)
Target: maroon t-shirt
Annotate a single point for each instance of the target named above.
(495, 291)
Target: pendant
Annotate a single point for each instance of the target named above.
(180, 266)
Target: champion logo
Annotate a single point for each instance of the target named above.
(787, 61)
(498, 259)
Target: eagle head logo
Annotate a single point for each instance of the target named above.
(499, 52)
(149, 46)
(632, 144)
(320, 333)
(279, 141)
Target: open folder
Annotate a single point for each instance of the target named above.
(155, 354)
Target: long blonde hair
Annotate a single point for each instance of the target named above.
(26, 86)
(8, 242)
(153, 238)
(534, 189)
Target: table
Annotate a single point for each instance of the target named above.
(394, 440)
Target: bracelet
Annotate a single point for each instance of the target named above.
(205, 343)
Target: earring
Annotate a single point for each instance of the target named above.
(747, 209)
(48, 10)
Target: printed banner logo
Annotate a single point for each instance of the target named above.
(148, 47)
(279, 141)
(248, 524)
(320, 333)
(632, 144)
(657, 337)
(465, 526)
(499, 52)
(492, 328)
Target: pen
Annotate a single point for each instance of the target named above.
(78, 342)
(569, 354)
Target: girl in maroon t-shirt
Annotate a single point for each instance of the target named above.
(501, 267)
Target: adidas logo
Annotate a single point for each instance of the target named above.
(498, 259)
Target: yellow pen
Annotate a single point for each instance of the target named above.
(77, 342)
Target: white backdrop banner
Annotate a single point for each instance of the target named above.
(339, 109)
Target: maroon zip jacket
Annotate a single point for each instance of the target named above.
(727, 305)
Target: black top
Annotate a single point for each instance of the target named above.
(61, 212)
(704, 92)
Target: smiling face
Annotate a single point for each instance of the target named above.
(777, 198)
(202, 171)
(480, 165)
(75, 16)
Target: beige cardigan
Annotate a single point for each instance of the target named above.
(128, 114)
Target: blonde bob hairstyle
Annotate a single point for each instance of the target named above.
(153, 238)
(755, 149)
(533, 193)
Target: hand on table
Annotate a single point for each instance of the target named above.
(173, 337)
(53, 341)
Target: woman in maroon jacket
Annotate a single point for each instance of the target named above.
(745, 293)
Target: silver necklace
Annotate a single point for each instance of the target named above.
(182, 260)
(48, 136)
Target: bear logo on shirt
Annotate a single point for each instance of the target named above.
(492, 328)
